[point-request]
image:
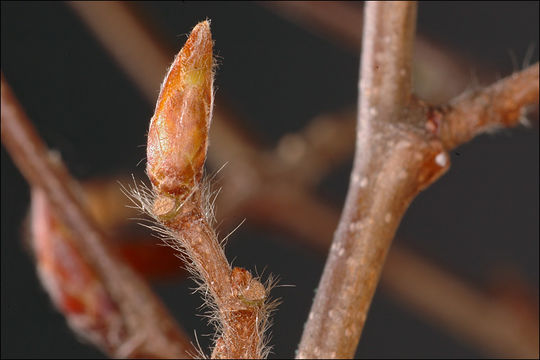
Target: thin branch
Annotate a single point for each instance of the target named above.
(148, 324)
(394, 160)
(179, 200)
(502, 104)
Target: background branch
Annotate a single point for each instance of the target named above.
(148, 323)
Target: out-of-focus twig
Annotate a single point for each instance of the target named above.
(150, 329)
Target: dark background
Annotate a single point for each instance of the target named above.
(482, 215)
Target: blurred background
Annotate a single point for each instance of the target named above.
(280, 67)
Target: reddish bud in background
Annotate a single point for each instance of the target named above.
(178, 135)
(73, 285)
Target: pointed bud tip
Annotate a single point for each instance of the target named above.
(178, 134)
(196, 55)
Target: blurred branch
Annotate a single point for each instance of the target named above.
(310, 154)
(150, 328)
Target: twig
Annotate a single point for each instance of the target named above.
(499, 105)
(394, 160)
(176, 152)
(146, 320)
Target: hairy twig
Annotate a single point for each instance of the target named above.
(179, 200)
(150, 330)
(502, 104)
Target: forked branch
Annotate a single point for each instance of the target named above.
(401, 149)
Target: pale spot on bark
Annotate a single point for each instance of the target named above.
(441, 159)
(363, 182)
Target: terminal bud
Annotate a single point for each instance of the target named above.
(178, 134)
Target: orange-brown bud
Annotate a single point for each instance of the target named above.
(73, 285)
(178, 135)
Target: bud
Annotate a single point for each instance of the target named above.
(73, 285)
(178, 135)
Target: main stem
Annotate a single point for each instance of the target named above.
(395, 158)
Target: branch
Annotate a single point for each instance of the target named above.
(502, 104)
(179, 200)
(149, 326)
(394, 160)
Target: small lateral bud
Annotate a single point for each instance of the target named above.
(178, 135)
(247, 289)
